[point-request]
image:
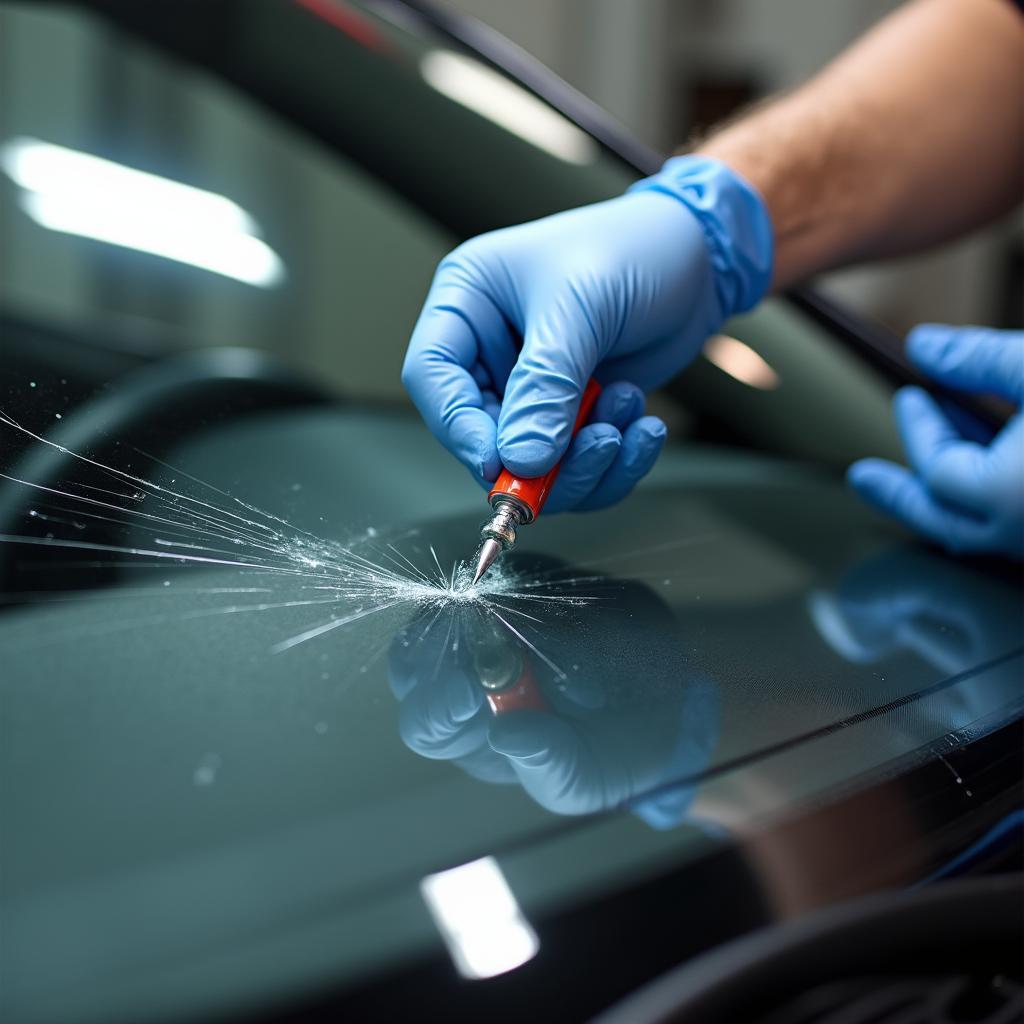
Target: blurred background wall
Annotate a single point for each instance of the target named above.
(668, 68)
(358, 257)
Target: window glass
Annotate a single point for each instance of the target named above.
(341, 262)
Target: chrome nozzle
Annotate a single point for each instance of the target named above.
(486, 556)
(497, 534)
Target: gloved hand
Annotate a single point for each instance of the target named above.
(965, 495)
(625, 290)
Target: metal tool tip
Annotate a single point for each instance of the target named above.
(486, 557)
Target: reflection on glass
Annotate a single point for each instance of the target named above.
(595, 711)
(740, 362)
(908, 600)
(479, 918)
(216, 669)
(485, 92)
(81, 194)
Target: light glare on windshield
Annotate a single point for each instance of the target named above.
(480, 919)
(477, 87)
(81, 194)
(740, 362)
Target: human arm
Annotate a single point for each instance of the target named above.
(965, 494)
(911, 137)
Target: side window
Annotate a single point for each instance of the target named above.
(277, 244)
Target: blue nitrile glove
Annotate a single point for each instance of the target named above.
(965, 495)
(625, 290)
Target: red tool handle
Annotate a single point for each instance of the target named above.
(524, 694)
(533, 491)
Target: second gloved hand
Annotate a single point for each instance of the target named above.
(627, 290)
(965, 495)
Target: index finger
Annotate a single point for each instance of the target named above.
(953, 469)
(445, 347)
(978, 359)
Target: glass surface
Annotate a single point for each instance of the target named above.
(355, 257)
(271, 709)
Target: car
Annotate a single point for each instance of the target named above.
(265, 755)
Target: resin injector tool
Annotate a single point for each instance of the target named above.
(517, 501)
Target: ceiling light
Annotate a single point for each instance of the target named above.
(741, 362)
(479, 919)
(81, 194)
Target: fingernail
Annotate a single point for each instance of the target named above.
(926, 340)
(625, 400)
(527, 458)
(600, 435)
(854, 472)
(620, 406)
(484, 465)
(864, 476)
(517, 735)
(911, 394)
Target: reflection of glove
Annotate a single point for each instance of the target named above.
(626, 290)
(910, 599)
(964, 495)
(581, 763)
(953, 617)
(628, 717)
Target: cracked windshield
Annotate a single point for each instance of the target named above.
(241, 581)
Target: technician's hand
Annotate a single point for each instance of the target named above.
(626, 290)
(967, 496)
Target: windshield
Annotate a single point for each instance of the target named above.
(148, 200)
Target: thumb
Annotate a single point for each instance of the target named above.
(543, 392)
(976, 359)
(545, 754)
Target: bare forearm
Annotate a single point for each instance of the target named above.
(913, 136)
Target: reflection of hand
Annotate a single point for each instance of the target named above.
(626, 290)
(963, 495)
(908, 599)
(625, 718)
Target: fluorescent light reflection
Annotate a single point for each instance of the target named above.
(741, 362)
(81, 194)
(492, 95)
(479, 919)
